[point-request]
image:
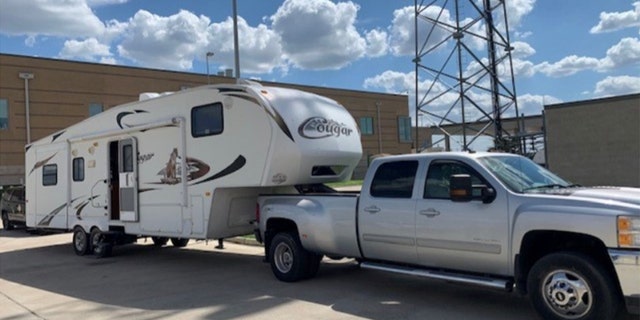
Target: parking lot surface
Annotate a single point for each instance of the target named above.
(42, 278)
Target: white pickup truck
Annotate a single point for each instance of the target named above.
(489, 219)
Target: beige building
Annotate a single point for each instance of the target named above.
(595, 142)
(40, 96)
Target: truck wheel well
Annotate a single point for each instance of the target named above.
(275, 226)
(537, 244)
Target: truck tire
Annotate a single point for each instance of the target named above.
(80, 241)
(290, 262)
(6, 224)
(314, 265)
(179, 242)
(570, 285)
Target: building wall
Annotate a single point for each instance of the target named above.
(61, 91)
(595, 142)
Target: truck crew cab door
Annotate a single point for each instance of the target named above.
(450, 234)
(386, 213)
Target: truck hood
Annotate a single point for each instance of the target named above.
(620, 194)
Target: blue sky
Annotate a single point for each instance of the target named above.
(566, 50)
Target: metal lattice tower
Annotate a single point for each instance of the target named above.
(464, 70)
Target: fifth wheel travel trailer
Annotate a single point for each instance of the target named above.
(185, 165)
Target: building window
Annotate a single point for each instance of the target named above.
(50, 175)
(206, 120)
(95, 108)
(78, 169)
(4, 114)
(366, 126)
(404, 129)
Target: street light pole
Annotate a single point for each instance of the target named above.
(209, 54)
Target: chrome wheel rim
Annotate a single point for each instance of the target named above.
(567, 293)
(80, 240)
(283, 256)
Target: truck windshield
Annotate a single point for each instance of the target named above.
(521, 174)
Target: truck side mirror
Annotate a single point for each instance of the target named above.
(460, 188)
(488, 195)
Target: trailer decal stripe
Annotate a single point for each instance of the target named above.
(41, 163)
(274, 115)
(121, 115)
(233, 167)
(55, 136)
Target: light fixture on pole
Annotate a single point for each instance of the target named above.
(209, 54)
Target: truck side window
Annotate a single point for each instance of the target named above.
(437, 186)
(206, 120)
(394, 180)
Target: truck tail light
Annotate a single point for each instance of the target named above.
(628, 231)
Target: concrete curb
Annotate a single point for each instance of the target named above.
(244, 241)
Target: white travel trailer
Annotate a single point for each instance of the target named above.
(185, 165)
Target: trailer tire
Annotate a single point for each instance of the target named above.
(179, 242)
(101, 248)
(570, 285)
(290, 262)
(80, 241)
(6, 224)
(159, 241)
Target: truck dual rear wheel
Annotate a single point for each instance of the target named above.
(570, 285)
(290, 262)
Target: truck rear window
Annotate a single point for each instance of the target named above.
(394, 180)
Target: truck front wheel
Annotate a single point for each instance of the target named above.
(289, 260)
(568, 285)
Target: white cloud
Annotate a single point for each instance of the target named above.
(612, 21)
(71, 18)
(567, 66)
(86, 49)
(624, 53)
(165, 42)
(613, 86)
(529, 104)
(517, 10)
(260, 47)
(377, 43)
(97, 3)
(521, 50)
(319, 34)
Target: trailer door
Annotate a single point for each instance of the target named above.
(128, 179)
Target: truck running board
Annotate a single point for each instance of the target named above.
(442, 275)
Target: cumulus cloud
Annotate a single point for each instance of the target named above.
(87, 49)
(71, 18)
(97, 3)
(377, 43)
(613, 86)
(530, 104)
(319, 34)
(260, 47)
(625, 53)
(613, 21)
(568, 66)
(165, 42)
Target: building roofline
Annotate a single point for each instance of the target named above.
(582, 103)
(264, 82)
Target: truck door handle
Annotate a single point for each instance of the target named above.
(430, 213)
(372, 209)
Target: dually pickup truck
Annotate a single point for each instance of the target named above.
(488, 219)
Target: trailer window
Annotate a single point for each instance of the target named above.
(78, 169)
(127, 158)
(50, 175)
(394, 180)
(206, 120)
